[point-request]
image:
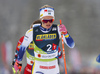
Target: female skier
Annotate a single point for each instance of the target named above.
(29, 51)
(45, 39)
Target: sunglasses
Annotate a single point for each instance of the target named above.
(47, 20)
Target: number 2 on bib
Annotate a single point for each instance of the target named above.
(49, 47)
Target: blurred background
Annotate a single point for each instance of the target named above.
(82, 20)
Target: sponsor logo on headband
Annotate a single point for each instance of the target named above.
(41, 15)
(48, 10)
(49, 13)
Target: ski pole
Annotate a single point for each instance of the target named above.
(63, 51)
(19, 72)
(14, 72)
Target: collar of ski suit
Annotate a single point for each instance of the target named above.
(44, 29)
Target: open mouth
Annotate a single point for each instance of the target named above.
(48, 25)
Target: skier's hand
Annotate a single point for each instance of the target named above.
(13, 62)
(62, 29)
(98, 58)
(17, 66)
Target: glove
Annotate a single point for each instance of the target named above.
(17, 66)
(63, 29)
(98, 58)
(13, 62)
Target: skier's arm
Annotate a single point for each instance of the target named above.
(17, 49)
(67, 38)
(27, 40)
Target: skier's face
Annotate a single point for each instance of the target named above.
(47, 21)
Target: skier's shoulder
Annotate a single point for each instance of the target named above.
(28, 32)
(55, 25)
(36, 25)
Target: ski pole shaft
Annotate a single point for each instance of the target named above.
(14, 72)
(63, 51)
(19, 72)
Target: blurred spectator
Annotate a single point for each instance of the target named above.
(6, 53)
(61, 65)
(92, 67)
(75, 59)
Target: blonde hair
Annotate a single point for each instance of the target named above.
(45, 6)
